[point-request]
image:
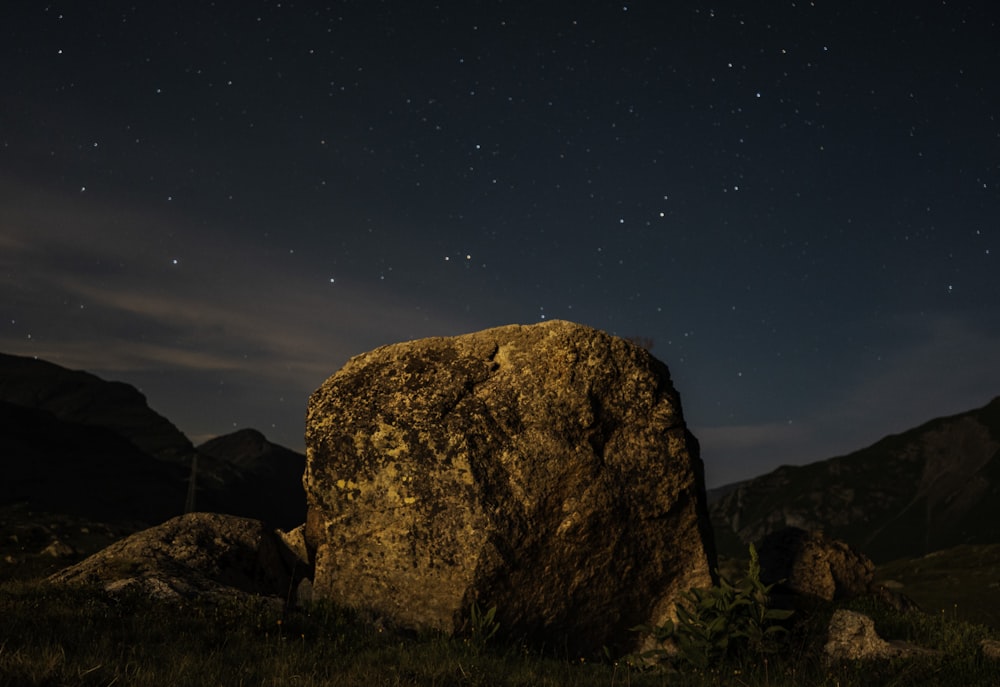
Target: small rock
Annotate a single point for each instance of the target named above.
(304, 592)
(852, 636)
(889, 593)
(58, 549)
(810, 564)
(294, 548)
(990, 649)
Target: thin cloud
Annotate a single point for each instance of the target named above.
(98, 297)
(128, 356)
(737, 452)
(951, 366)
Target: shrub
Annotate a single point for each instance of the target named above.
(482, 625)
(721, 622)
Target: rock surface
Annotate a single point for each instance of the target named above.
(198, 554)
(990, 649)
(544, 469)
(851, 636)
(813, 565)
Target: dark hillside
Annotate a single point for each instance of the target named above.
(75, 444)
(58, 466)
(932, 487)
(245, 474)
(85, 399)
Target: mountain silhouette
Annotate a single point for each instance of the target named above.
(929, 488)
(71, 442)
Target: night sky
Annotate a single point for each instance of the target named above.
(798, 203)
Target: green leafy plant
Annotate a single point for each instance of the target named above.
(721, 622)
(483, 625)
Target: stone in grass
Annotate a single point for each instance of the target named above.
(851, 636)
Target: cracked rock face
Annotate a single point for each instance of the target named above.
(545, 470)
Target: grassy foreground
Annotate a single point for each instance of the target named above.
(54, 636)
(964, 581)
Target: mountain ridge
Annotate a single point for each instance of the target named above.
(71, 442)
(86, 399)
(931, 487)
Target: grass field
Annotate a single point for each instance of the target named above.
(963, 582)
(58, 636)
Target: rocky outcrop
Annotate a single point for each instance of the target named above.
(545, 470)
(201, 555)
(933, 487)
(810, 564)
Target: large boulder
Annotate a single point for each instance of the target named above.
(545, 470)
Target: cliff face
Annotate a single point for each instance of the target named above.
(933, 487)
